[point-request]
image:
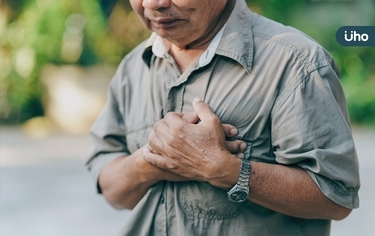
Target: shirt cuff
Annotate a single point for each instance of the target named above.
(346, 197)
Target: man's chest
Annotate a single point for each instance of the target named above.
(238, 98)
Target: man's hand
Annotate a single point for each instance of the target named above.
(197, 151)
(236, 147)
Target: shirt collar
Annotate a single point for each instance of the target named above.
(234, 40)
(207, 56)
(159, 48)
(237, 41)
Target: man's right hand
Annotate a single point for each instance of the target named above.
(236, 147)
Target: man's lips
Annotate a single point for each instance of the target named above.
(163, 22)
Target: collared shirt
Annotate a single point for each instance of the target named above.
(276, 85)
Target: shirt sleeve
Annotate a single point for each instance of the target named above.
(108, 137)
(311, 129)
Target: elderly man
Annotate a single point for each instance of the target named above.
(225, 123)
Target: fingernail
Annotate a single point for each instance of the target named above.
(233, 131)
(197, 99)
(243, 146)
(240, 155)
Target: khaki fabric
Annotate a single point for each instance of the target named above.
(280, 89)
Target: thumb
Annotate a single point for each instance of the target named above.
(203, 110)
(191, 117)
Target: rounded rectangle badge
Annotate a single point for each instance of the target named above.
(356, 35)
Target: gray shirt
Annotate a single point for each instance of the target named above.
(280, 89)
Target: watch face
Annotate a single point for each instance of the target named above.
(238, 195)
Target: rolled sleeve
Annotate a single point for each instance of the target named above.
(108, 138)
(310, 128)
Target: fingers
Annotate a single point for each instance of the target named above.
(191, 117)
(203, 110)
(155, 143)
(174, 127)
(164, 133)
(236, 147)
(152, 158)
(229, 130)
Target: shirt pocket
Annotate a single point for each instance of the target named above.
(202, 200)
(138, 137)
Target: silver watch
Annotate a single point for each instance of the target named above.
(240, 191)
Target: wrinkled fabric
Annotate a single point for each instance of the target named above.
(276, 85)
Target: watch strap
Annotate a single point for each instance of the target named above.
(243, 179)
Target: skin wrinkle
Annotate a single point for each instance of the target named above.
(190, 33)
(181, 150)
(174, 145)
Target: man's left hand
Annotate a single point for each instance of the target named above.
(195, 151)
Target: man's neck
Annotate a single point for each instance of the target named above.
(186, 55)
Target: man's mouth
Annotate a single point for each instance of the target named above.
(163, 23)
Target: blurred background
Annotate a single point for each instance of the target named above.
(56, 59)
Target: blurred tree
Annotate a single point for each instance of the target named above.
(107, 6)
(275, 9)
(14, 8)
(36, 32)
(320, 19)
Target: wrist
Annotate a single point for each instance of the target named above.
(147, 173)
(240, 191)
(226, 176)
(150, 174)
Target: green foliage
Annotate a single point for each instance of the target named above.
(361, 101)
(321, 20)
(37, 32)
(275, 9)
(47, 31)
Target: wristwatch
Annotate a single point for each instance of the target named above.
(240, 191)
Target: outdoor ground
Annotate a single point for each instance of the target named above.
(45, 189)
